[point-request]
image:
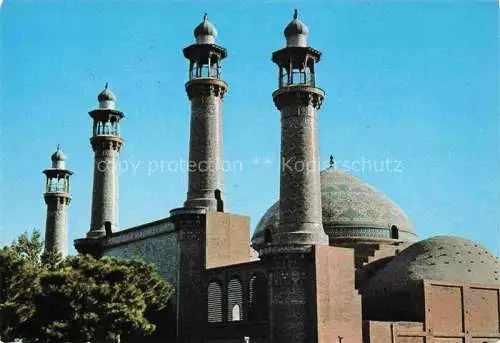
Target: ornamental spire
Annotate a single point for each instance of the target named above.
(296, 32)
(205, 32)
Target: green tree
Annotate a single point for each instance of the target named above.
(25, 251)
(82, 299)
(28, 248)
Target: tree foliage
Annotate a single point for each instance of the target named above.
(26, 249)
(81, 299)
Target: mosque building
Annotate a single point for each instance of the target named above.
(332, 261)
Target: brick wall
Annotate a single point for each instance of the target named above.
(454, 313)
(191, 308)
(227, 239)
(160, 250)
(338, 302)
(462, 311)
(155, 242)
(291, 291)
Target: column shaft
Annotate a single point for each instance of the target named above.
(56, 232)
(105, 190)
(300, 188)
(205, 144)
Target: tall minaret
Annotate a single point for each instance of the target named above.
(106, 143)
(57, 198)
(290, 257)
(298, 99)
(205, 89)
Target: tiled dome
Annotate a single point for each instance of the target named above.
(351, 208)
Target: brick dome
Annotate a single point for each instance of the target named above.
(351, 208)
(442, 258)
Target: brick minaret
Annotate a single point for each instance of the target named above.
(298, 99)
(57, 198)
(106, 143)
(205, 89)
(290, 255)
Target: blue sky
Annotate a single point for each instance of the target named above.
(415, 82)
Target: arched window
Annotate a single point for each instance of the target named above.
(107, 228)
(218, 199)
(258, 299)
(235, 298)
(236, 313)
(394, 232)
(267, 235)
(214, 299)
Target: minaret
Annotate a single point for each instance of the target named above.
(290, 256)
(298, 99)
(57, 198)
(205, 89)
(106, 143)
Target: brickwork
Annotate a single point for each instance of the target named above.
(106, 184)
(291, 282)
(462, 310)
(389, 332)
(338, 303)
(190, 284)
(56, 224)
(300, 290)
(300, 189)
(106, 144)
(57, 197)
(154, 242)
(205, 143)
(453, 312)
(227, 239)
(482, 312)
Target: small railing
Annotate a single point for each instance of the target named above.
(297, 77)
(106, 129)
(199, 71)
(57, 189)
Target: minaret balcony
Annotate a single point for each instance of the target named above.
(206, 86)
(298, 94)
(114, 133)
(204, 72)
(57, 189)
(57, 198)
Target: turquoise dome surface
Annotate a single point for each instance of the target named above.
(351, 208)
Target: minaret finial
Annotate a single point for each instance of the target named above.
(58, 147)
(295, 14)
(332, 161)
(106, 85)
(205, 17)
